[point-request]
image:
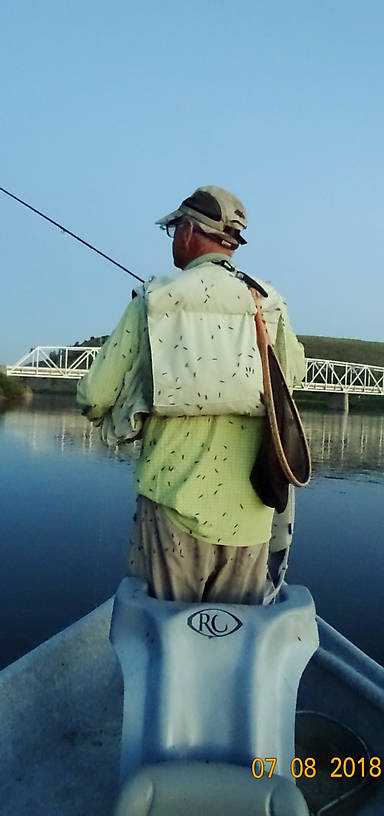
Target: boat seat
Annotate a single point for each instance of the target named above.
(200, 789)
(210, 682)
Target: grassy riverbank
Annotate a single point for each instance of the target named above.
(12, 392)
(342, 349)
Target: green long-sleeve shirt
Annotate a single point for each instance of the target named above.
(197, 467)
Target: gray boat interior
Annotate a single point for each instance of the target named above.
(207, 682)
(62, 713)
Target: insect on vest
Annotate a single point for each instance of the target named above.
(205, 358)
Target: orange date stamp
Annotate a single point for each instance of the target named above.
(339, 767)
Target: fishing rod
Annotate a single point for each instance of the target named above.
(248, 280)
(284, 440)
(72, 234)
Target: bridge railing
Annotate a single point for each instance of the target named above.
(342, 377)
(67, 362)
(72, 362)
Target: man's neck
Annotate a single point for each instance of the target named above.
(207, 257)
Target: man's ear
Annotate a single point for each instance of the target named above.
(187, 228)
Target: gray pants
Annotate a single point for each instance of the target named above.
(180, 567)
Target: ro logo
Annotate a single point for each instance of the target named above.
(214, 622)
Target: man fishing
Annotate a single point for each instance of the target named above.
(182, 373)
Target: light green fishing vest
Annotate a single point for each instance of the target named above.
(202, 335)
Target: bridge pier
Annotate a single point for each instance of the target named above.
(338, 402)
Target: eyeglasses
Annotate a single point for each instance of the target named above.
(171, 229)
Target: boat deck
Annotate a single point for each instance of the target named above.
(61, 710)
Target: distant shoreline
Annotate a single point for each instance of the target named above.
(25, 389)
(324, 348)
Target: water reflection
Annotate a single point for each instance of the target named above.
(67, 503)
(339, 443)
(342, 443)
(57, 429)
(338, 542)
(66, 507)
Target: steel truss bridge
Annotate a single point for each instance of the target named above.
(72, 362)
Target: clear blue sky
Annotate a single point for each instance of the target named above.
(112, 113)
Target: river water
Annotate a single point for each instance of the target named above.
(66, 507)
